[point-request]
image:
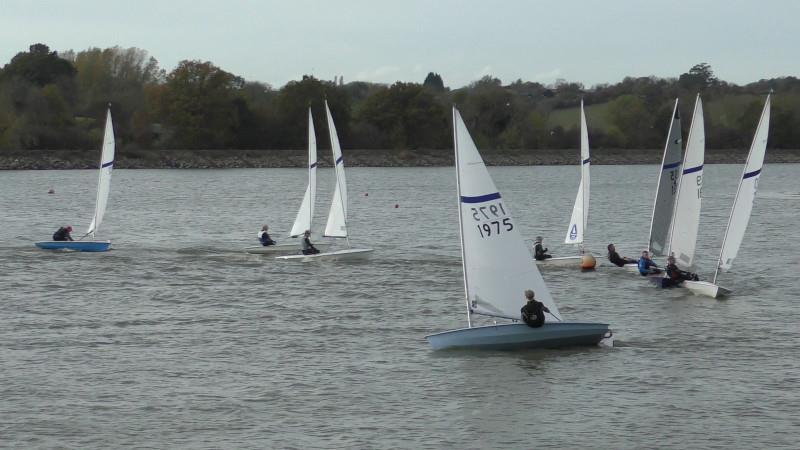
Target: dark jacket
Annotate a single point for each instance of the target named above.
(678, 275)
(265, 239)
(533, 313)
(62, 235)
(540, 253)
(616, 259)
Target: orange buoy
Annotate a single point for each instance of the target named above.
(588, 262)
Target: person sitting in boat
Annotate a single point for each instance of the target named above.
(63, 234)
(539, 252)
(677, 276)
(308, 247)
(647, 266)
(617, 260)
(263, 236)
(533, 311)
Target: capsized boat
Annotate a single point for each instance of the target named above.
(498, 269)
(101, 202)
(306, 212)
(741, 210)
(580, 210)
(336, 227)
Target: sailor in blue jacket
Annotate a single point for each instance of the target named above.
(646, 265)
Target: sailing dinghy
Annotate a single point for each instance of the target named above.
(686, 213)
(336, 226)
(498, 269)
(306, 212)
(666, 190)
(580, 210)
(741, 210)
(103, 190)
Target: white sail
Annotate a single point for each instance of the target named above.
(667, 186)
(104, 182)
(580, 211)
(306, 213)
(497, 266)
(686, 215)
(337, 217)
(745, 195)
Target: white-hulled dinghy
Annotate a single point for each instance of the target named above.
(741, 210)
(306, 212)
(580, 210)
(101, 202)
(498, 268)
(336, 226)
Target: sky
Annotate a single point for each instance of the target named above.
(384, 41)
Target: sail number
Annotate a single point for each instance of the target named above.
(493, 218)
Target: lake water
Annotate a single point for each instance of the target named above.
(177, 339)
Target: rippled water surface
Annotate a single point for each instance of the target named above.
(176, 338)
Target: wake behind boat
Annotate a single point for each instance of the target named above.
(336, 226)
(103, 190)
(498, 269)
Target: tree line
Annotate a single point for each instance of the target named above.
(58, 101)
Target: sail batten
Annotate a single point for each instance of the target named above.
(497, 266)
(305, 214)
(745, 194)
(580, 210)
(688, 200)
(104, 177)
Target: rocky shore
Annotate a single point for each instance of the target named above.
(224, 159)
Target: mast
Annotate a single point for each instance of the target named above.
(460, 221)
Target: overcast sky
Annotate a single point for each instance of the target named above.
(385, 41)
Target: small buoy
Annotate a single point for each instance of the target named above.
(588, 262)
(396, 205)
(51, 191)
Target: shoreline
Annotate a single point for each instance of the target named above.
(236, 159)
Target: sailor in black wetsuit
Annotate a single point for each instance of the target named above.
(63, 234)
(307, 247)
(539, 252)
(677, 276)
(617, 260)
(263, 237)
(533, 311)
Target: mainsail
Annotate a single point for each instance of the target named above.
(745, 194)
(104, 182)
(686, 215)
(337, 217)
(306, 213)
(497, 266)
(667, 186)
(580, 211)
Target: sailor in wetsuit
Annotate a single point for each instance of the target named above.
(263, 237)
(533, 311)
(539, 252)
(617, 260)
(677, 276)
(646, 265)
(63, 234)
(307, 246)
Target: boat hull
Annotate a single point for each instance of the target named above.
(520, 336)
(75, 246)
(564, 261)
(282, 248)
(346, 254)
(705, 288)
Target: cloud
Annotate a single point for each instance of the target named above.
(382, 73)
(550, 75)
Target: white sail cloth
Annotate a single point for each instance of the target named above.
(104, 181)
(667, 188)
(337, 216)
(580, 211)
(306, 212)
(497, 266)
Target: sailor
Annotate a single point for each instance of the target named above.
(533, 311)
(263, 236)
(617, 260)
(539, 252)
(63, 234)
(308, 247)
(646, 265)
(676, 275)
